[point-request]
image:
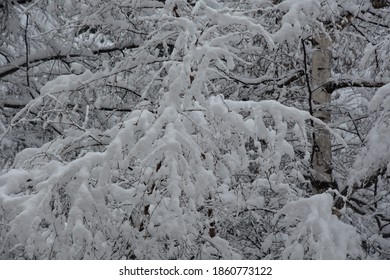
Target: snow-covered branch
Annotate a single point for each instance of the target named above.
(50, 54)
(343, 82)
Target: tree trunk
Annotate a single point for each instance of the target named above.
(321, 154)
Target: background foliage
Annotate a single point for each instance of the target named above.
(181, 130)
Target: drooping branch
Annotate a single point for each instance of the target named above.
(279, 81)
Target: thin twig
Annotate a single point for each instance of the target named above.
(27, 55)
(310, 93)
(356, 128)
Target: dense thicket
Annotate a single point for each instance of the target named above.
(183, 130)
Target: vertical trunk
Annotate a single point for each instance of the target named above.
(321, 155)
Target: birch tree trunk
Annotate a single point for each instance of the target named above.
(321, 154)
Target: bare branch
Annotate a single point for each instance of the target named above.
(345, 83)
(19, 104)
(49, 54)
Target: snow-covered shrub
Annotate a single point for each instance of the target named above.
(368, 192)
(157, 189)
(307, 229)
(150, 150)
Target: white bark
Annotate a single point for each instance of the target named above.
(322, 155)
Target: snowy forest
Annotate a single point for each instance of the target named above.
(194, 129)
